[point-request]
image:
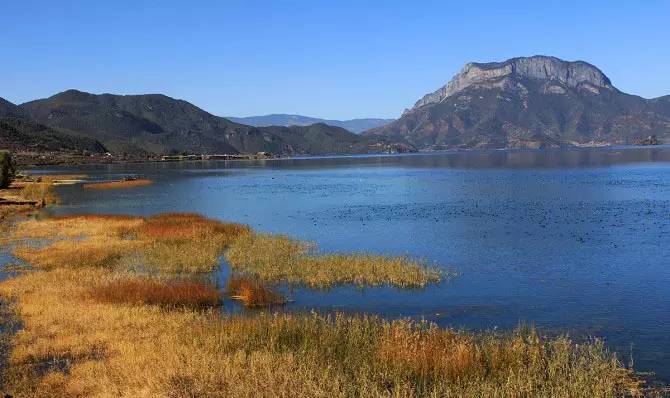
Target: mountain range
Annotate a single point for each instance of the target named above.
(530, 102)
(280, 119)
(154, 124)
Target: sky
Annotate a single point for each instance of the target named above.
(331, 59)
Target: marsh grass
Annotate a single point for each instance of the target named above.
(252, 292)
(277, 258)
(122, 184)
(42, 193)
(92, 327)
(191, 243)
(73, 344)
(151, 291)
(170, 243)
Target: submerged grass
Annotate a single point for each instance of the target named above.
(74, 344)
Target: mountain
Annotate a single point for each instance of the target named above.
(19, 133)
(7, 109)
(158, 124)
(529, 102)
(25, 135)
(353, 125)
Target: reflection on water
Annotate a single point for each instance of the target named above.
(573, 241)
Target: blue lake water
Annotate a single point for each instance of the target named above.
(573, 241)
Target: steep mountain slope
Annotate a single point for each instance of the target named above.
(157, 124)
(529, 102)
(18, 133)
(25, 135)
(7, 109)
(353, 125)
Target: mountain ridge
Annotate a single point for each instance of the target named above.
(153, 124)
(529, 102)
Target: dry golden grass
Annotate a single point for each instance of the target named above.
(118, 184)
(166, 243)
(184, 242)
(41, 193)
(278, 258)
(152, 291)
(252, 292)
(73, 345)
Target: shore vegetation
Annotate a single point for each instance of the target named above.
(115, 305)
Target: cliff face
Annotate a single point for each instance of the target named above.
(529, 102)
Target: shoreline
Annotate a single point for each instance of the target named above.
(56, 159)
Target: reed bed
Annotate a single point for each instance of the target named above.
(252, 292)
(185, 242)
(74, 345)
(169, 243)
(152, 291)
(276, 258)
(42, 193)
(122, 184)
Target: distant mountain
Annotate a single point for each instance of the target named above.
(353, 125)
(529, 102)
(157, 124)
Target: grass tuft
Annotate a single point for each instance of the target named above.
(252, 292)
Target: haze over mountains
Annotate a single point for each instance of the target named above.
(529, 102)
(533, 102)
(280, 119)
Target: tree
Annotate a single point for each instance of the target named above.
(7, 169)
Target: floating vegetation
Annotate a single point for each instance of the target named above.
(121, 184)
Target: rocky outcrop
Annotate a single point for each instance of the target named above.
(529, 102)
(501, 74)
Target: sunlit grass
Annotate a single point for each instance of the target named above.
(152, 291)
(74, 344)
(184, 242)
(118, 184)
(172, 243)
(278, 258)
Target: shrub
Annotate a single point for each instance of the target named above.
(7, 169)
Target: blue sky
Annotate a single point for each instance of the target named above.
(333, 59)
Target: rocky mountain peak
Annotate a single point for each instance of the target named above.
(539, 67)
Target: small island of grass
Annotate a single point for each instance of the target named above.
(120, 184)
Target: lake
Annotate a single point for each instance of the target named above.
(572, 241)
